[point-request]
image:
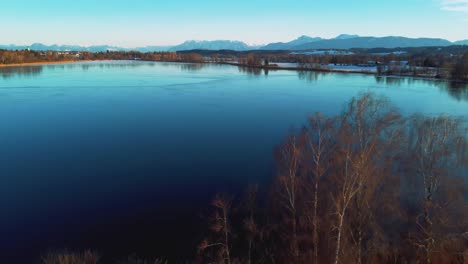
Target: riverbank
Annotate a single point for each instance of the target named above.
(297, 68)
(264, 67)
(39, 63)
(342, 70)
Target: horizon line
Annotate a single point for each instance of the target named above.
(211, 40)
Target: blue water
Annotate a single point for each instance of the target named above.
(123, 157)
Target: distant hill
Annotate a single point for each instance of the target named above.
(289, 45)
(43, 47)
(153, 48)
(373, 42)
(347, 36)
(212, 45)
(461, 42)
(13, 47)
(346, 41)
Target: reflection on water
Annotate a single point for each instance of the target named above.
(457, 90)
(392, 80)
(104, 65)
(25, 71)
(34, 70)
(20, 71)
(191, 67)
(253, 71)
(311, 76)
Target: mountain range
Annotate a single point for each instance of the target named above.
(343, 41)
(461, 42)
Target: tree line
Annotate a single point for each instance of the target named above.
(423, 63)
(366, 186)
(30, 56)
(443, 66)
(148, 56)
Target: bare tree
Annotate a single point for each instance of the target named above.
(438, 145)
(348, 185)
(86, 257)
(320, 145)
(349, 175)
(250, 224)
(290, 186)
(371, 125)
(221, 228)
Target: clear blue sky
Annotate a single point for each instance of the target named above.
(132, 23)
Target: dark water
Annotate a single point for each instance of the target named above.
(123, 157)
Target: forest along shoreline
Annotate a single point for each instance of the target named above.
(41, 63)
(268, 68)
(434, 66)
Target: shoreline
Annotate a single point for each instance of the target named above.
(296, 68)
(248, 66)
(39, 63)
(340, 71)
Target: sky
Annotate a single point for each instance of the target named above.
(136, 23)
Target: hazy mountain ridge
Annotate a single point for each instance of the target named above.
(289, 45)
(343, 41)
(347, 36)
(212, 45)
(43, 47)
(461, 42)
(374, 42)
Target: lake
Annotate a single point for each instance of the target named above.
(124, 157)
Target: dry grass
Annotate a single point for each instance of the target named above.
(90, 257)
(135, 260)
(87, 257)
